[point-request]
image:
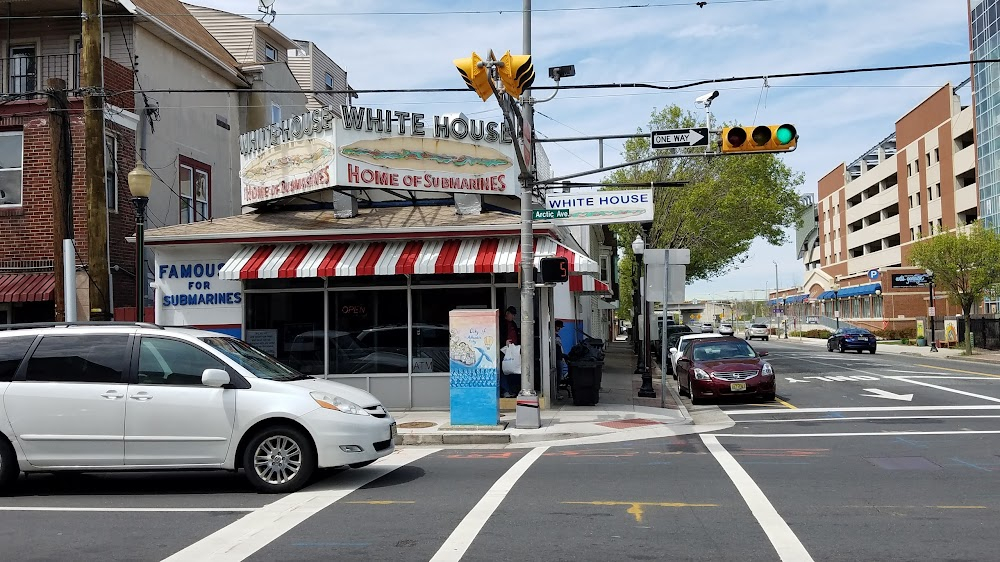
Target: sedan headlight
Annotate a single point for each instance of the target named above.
(331, 402)
(766, 370)
(701, 375)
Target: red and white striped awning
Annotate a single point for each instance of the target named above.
(349, 259)
(588, 284)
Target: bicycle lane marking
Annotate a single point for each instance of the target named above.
(783, 539)
(242, 538)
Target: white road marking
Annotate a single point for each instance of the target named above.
(782, 537)
(939, 376)
(132, 509)
(946, 389)
(468, 529)
(879, 393)
(240, 539)
(858, 434)
(858, 409)
(867, 418)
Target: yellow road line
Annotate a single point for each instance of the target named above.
(960, 371)
(785, 404)
(635, 508)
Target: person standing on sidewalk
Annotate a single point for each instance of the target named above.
(509, 334)
(562, 368)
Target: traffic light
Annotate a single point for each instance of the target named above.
(553, 270)
(475, 75)
(517, 74)
(762, 138)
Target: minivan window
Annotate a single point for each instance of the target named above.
(12, 351)
(173, 362)
(257, 362)
(96, 358)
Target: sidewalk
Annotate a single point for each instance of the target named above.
(620, 416)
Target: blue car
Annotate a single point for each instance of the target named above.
(857, 339)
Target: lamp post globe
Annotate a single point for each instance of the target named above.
(140, 183)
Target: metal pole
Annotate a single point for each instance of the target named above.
(640, 355)
(140, 276)
(527, 414)
(664, 353)
(931, 307)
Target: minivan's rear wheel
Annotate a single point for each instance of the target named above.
(8, 465)
(279, 460)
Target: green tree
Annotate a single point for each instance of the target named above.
(729, 202)
(965, 264)
(625, 286)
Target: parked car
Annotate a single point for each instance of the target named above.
(724, 367)
(674, 331)
(726, 329)
(93, 397)
(682, 343)
(707, 328)
(757, 331)
(858, 339)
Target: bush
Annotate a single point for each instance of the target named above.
(904, 334)
(817, 334)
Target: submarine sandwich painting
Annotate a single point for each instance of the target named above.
(427, 164)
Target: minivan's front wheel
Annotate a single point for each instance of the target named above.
(279, 460)
(8, 465)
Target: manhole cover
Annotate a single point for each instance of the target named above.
(416, 425)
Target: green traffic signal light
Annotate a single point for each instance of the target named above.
(785, 134)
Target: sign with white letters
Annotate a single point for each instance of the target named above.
(602, 207)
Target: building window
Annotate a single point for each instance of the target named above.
(937, 190)
(928, 159)
(275, 113)
(940, 226)
(918, 198)
(11, 157)
(23, 71)
(930, 193)
(111, 171)
(196, 187)
(920, 230)
(328, 80)
(911, 201)
(270, 53)
(937, 155)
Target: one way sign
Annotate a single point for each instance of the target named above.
(676, 138)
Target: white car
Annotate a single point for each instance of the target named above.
(726, 329)
(682, 344)
(757, 331)
(105, 396)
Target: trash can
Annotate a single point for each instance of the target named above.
(586, 369)
(583, 376)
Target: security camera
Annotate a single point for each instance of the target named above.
(707, 98)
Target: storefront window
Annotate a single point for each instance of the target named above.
(431, 309)
(368, 332)
(288, 326)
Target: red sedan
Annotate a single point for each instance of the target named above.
(723, 367)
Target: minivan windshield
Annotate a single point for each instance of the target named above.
(257, 362)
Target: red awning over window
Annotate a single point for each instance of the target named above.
(27, 287)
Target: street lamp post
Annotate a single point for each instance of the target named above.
(638, 247)
(140, 182)
(645, 365)
(836, 304)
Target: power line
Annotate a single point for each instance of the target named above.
(610, 85)
(688, 3)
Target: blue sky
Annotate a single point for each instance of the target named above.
(668, 42)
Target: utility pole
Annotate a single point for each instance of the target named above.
(62, 207)
(527, 413)
(91, 73)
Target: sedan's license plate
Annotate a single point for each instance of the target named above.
(738, 386)
(392, 430)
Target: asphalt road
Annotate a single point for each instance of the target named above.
(865, 457)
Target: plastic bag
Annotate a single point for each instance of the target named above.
(512, 360)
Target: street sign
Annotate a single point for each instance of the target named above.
(931, 311)
(678, 138)
(873, 274)
(549, 214)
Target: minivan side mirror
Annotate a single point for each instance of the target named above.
(673, 350)
(216, 378)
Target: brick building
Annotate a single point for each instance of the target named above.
(917, 182)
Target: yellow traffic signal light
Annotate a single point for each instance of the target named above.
(516, 73)
(475, 75)
(763, 138)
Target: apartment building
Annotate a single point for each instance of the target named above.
(918, 181)
(316, 71)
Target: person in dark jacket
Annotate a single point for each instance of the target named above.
(510, 383)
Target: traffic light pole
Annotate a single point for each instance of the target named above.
(527, 411)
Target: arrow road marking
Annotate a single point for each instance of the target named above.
(879, 393)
